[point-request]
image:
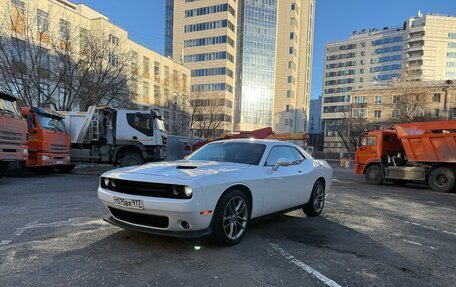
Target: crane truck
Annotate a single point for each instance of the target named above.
(421, 151)
(13, 134)
(119, 137)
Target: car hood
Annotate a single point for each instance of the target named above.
(183, 169)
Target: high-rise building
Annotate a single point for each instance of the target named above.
(253, 56)
(420, 49)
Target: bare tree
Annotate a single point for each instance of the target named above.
(63, 65)
(409, 100)
(350, 128)
(207, 114)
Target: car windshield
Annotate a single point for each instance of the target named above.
(51, 123)
(237, 152)
(8, 107)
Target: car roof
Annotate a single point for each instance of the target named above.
(269, 142)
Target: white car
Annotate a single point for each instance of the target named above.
(218, 189)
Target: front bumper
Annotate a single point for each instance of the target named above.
(37, 159)
(175, 210)
(179, 234)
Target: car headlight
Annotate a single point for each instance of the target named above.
(188, 191)
(106, 182)
(45, 157)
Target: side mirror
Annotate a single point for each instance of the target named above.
(281, 162)
(185, 157)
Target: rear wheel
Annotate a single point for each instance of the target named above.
(442, 179)
(130, 159)
(317, 200)
(231, 218)
(374, 174)
(66, 168)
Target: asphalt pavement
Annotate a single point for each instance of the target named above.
(52, 234)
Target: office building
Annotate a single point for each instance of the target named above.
(255, 57)
(419, 50)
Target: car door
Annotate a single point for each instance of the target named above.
(282, 186)
(307, 175)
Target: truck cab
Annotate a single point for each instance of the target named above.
(375, 147)
(49, 141)
(13, 134)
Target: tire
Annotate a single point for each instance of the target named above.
(131, 159)
(231, 218)
(317, 200)
(374, 174)
(442, 179)
(66, 168)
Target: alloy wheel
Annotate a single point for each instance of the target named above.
(235, 218)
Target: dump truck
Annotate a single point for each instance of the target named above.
(48, 142)
(13, 134)
(119, 137)
(421, 151)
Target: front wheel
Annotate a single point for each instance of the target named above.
(231, 218)
(317, 200)
(131, 159)
(374, 174)
(442, 179)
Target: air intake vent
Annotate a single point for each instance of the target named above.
(186, 167)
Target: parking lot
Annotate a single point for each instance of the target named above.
(52, 235)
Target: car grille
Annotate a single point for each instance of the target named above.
(140, 218)
(58, 148)
(148, 189)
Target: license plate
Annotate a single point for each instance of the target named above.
(128, 203)
(60, 162)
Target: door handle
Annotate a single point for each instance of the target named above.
(300, 170)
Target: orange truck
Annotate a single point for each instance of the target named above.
(421, 151)
(48, 143)
(13, 134)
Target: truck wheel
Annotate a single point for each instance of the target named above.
(66, 168)
(442, 179)
(374, 174)
(130, 159)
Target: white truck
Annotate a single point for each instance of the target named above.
(120, 137)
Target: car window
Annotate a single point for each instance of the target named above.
(280, 152)
(297, 154)
(238, 152)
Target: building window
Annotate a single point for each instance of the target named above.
(157, 70)
(292, 35)
(360, 113)
(376, 127)
(435, 113)
(18, 51)
(134, 59)
(378, 100)
(157, 93)
(146, 62)
(44, 89)
(209, 26)
(64, 29)
(452, 35)
(290, 93)
(377, 114)
(395, 114)
(436, 98)
(145, 92)
(209, 41)
(360, 100)
(453, 113)
(291, 51)
(209, 57)
(293, 6)
(290, 80)
(42, 20)
(166, 73)
(114, 59)
(113, 40)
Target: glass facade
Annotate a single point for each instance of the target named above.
(256, 67)
(169, 20)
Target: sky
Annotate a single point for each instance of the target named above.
(335, 20)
